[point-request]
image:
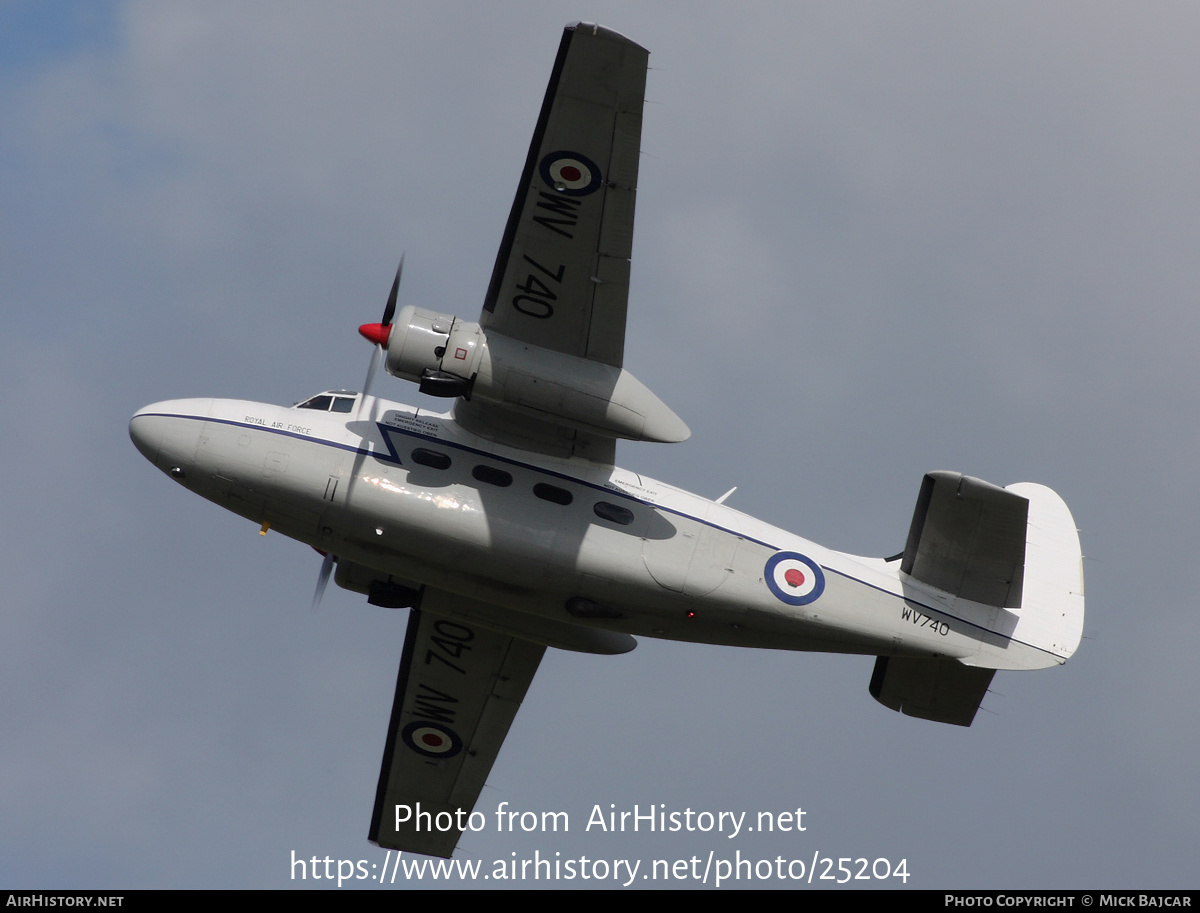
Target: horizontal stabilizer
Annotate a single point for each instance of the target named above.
(942, 690)
(968, 539)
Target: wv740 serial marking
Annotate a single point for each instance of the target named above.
(908, 613)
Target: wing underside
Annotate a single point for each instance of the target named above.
(459, 688)
(561, 279)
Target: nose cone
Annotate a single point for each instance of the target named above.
(146, 433)
(168, 433)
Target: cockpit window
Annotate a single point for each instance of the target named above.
(333, 401)
(320, 403)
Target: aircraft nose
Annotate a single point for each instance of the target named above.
(168, 433)
(146, 433)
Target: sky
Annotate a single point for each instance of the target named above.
(873, 240)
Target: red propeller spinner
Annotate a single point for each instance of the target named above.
(377, 333)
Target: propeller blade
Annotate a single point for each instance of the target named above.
(371, 369)
(323, 580)
(390, 311)
(378, 333)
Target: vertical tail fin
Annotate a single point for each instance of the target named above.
(1051, 614)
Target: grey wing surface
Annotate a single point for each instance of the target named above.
(459, 688)
(561, 279)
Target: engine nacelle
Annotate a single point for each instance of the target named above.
(448, 356)
(379, 588)
(437, 351)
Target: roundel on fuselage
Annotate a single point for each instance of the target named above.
(794, 578)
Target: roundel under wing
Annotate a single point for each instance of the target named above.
(571, 173)
(432, 739)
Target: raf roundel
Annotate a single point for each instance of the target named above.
(570, 173)
(432, 739)
(794, 578)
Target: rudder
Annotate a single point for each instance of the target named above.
(1051, 613)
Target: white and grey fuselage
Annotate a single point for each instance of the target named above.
(412, 494)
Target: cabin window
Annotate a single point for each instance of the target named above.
(553, 493)
(431, 458)
(492, 475)
(613, 513)
(343, 404)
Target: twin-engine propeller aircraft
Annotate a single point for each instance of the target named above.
(506, 527)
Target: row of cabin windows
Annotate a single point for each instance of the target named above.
(614, 513)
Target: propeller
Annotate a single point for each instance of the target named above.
(378, 332)
(323, 579)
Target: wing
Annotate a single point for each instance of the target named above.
(459, 688)
(561, 279)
